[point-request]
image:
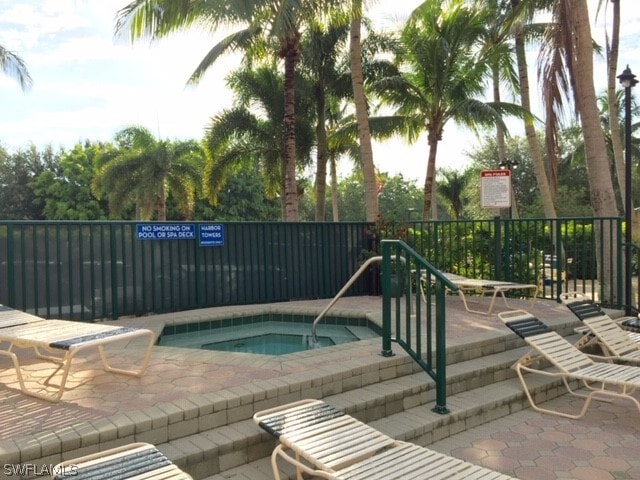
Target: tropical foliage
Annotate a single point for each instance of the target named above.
(441, 78)
(311, 91)
(142, 170)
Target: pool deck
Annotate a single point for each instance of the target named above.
(603, 445)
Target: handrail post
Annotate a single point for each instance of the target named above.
(441, 351)
(386, 300)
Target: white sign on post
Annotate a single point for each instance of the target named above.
(495, 189)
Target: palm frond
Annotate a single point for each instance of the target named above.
(13, 66)
(239, 40)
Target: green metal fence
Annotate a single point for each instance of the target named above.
(561, 254)
(90, 270)
(96, 270)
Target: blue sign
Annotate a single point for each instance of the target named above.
(211, 234)
(166, 231)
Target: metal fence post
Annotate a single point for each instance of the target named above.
(114, 272)
(386, 300)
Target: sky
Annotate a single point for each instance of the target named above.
(88, 84)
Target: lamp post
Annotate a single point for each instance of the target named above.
(410, 212)
(628, 81)
(510, 165)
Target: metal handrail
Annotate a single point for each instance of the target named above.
(343, 290)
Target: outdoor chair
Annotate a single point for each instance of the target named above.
(485, 287)
(324, 442)
(62, 340)
(603, 380)
(140, 461)
(615, 342)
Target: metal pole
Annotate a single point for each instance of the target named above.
(627, 197)
(627, 79)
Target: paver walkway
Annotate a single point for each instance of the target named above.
(603, 445)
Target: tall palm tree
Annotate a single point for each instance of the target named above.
(329, 82)
(498, 39)
(612, 45)
(251, 131)
(331, 76)
(600, 183)
(13, 66)
(572, 47)
(521, 29)
(441, 78)
(258, 22)
(362, 113)
(143, 170)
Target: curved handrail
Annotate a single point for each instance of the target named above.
(343, 290)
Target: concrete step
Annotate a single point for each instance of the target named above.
(480, 389)
(418, 424)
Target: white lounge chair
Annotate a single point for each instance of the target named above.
(140, 461)
(62, 340)
(487, 287)
(601, 379)
(330, 444)
(602, 329)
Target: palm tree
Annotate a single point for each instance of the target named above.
(362, 113)
(260, 22)
(497, 39)
(521, 30)
(442, 78)
(328, 82)
(331, 77)
(143, 170)
(251, 131)
(612, 66)
(13, 66)
(571, 46)
(451, 187)
(581, 67)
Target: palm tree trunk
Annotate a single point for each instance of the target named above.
(362, 114)
(429, 207)
(600, 183)
(614, 125)
(161, 205)
(529, 128)
(602, 197)
(290, 54)
(321, 157)
(334, 190)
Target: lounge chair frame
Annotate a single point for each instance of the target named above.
(603, 380)
(486, 287)
(617, 344)
(140, 461)
(59, 341)
(321, 441)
